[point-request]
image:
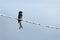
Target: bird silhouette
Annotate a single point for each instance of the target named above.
(20, 19)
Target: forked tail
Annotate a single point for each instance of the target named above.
(20, 26)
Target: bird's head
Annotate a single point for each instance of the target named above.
(20, 12)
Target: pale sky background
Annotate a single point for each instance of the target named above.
(41, 11)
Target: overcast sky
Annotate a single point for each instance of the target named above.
(40, 11)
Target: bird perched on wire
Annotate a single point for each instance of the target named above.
(20, 19)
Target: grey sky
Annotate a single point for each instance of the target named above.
(41, 11)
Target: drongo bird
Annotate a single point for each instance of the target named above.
(20, 19)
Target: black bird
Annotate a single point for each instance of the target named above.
(20, 19)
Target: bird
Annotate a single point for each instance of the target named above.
(20, 19)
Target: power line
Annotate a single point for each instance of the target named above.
(53, 27)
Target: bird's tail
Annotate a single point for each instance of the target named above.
(20, 26)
